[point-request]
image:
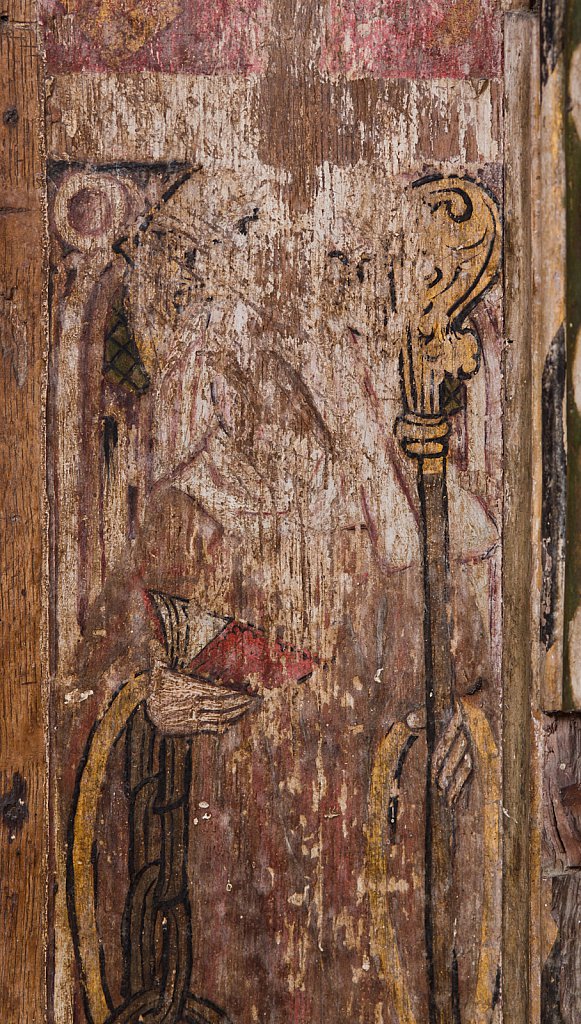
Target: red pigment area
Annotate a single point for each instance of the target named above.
(90, 212)
(243, 658)
(199, 36)
(404, 39)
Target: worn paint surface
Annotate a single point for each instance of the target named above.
(244, 786)
(260, 811)
(561, 860)
(165, 35)
(359, 38)
(233, 369)
(389, 39)
(572, 640)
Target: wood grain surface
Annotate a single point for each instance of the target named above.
(292, 551)
(522, 77)
(23, 691)
(280, 265)
(561, 860)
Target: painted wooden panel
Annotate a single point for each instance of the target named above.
(277, 422)
(171, 35)
(386, 38)
(360, 38)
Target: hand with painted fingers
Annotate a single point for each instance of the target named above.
(453, 761)
(183, 705)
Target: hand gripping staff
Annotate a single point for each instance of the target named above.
(456, 263)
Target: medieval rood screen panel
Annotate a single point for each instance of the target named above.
(276, 484)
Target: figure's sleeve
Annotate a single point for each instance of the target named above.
(258, 443)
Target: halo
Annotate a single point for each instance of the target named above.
(90, 209)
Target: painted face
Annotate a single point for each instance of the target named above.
(202, 252)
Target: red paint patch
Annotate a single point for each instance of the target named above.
(403, 39)
(204, 37)
(240, 656)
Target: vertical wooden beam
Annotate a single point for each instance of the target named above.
(23, 815)
(549, 357)
(521, 101)
(572, 629)
(560, 675)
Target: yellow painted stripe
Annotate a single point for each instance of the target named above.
(91, 784)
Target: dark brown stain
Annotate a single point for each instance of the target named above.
(14, 806)
(554, 499)
(110, 440)
(10, 116)
(302, 115)
(552, 36)
(550, 979)
(571, 799)
(560, 999)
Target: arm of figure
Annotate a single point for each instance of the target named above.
(226, 484)
(262, 447)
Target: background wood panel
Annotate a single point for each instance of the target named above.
(19, 12)
(23, 591)
(521, 132)
(146, 120)
(309, 279)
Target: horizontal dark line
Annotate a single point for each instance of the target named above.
(120, 165)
